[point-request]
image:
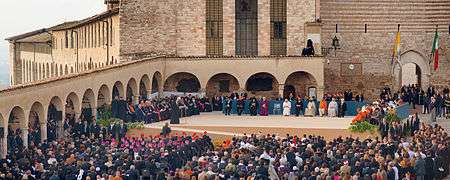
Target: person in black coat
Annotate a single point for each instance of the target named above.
(342, 107)
(298, 106)
(240, 106)
(253, 107)
(384, 128)
(228, 106)
(175, 113)
(429, 166)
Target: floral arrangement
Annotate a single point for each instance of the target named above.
(361, 127)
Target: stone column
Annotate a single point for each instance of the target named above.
(281, 90)
(24, 136)
(94, 113)
(320, 92)
(43, 131)
(4, 145)
(202, 92)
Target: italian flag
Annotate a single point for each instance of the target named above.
(435, 50)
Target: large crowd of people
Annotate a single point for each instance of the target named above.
(424, 155)
(409, 150)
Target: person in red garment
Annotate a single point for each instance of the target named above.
(264, 107)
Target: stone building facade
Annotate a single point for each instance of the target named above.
(249, 28)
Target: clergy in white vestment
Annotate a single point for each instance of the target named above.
(286, 108)
(311, 108)
(332, 108)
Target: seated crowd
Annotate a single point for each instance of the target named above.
(116, 156)
(412, 150)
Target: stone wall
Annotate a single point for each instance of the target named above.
(148, 27)
(299, 12)
(373, 50)
(191, 28)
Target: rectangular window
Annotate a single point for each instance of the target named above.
(71, 39)
(111, 33)
(214, 27)
(67, 39)
(278, 40)
(246, 27)
(94, 32)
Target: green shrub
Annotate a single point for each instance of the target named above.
(361, 127)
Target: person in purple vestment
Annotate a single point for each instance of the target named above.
(264, 107)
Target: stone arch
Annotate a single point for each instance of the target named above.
(17, 124)
(61, 72)
(35, 119)
(71, 69)
(54, 118)
(262, 84)
(156, 82)
(72, 108)
(132, 89)
(222, 84)
(117, 90)
(144, 86)
(17, 118)
(103, 97)
(420, 61)
(182, 82)
(298, 83)
(88, 106)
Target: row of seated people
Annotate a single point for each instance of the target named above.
(155, 110)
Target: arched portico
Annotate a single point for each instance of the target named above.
(88, 106)
(55, 116)
(37, 123)
(104, 96)
(145, 87)
(157, 84)
(72, 109)
(182, 82)
(132, 91)
(117, 90)
(300, 84)
(262, 84)
(222, 84)
(17, 125)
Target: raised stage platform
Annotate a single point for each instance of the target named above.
(221, 126)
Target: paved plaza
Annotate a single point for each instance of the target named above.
(220, 126)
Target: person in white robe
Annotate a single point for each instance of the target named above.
(286, 108)
(311, 108)
(332, 108)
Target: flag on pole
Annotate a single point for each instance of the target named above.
(396, 51)
(435, 50)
